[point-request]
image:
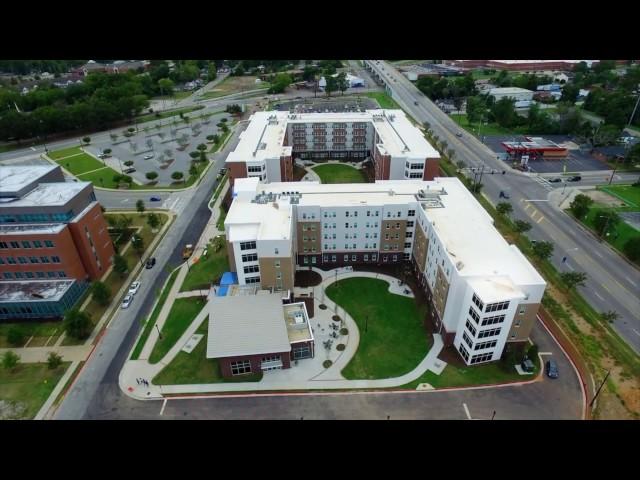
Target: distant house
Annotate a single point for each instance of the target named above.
(518, 94)
(119, 66)
(609, 153)
(562, 77)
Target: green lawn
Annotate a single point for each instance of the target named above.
(617, 237)
(80, 163)
(195, 367)
(166, 114)
(486, 129)
(65, 152)
(462, 376)
(154, 315)
(231, 85)
(340, 173)
(627, 193)
(175, 96)
(183, 312)
(394, 342)
(29, 385)
(221, 218)
(100, 178)
(384, 100)
(40, 332)
(209, 269)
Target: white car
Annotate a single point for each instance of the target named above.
(133, 289)
(148, 157)
(127, 301)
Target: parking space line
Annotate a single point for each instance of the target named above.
(466, 410)
(164, 404)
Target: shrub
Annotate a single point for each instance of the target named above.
(344, 331)
(15, 336)
(10, 359)
(341, 347)
(128, 163)
(54, 360)
(77, 324)
(101, 293)
(327, 363)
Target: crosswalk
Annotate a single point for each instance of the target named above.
(544, 183)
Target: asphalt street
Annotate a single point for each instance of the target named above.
(612, 283)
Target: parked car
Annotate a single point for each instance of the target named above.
(459, 134)
(552, 369)
(148, 157)
(527, 365)
(555, 180)
(134, 287)
(575, 178)
(223, 171)
(150, 262)
(415, 103)
(102, 155)
(155, 199)
(127, 301)
(129, 170)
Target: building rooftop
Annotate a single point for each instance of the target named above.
(50, 194)
(14, 178)
(33, 290)
(297, 320)
(264, 137)
(251, 221)
(241, 325)
(505, 90)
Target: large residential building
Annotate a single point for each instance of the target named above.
(483, 291)
(521, 65)
(49, 230)
(273, 139)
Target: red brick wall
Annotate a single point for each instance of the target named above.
(286, 168)
(236, 170)
(225, 363)
(95, 223)
(431, 168)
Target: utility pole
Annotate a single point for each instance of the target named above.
(633, 114)
(599, 388)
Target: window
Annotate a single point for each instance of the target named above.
(240, 367)
(15, 245)
(44, 259)
(466, 338)
(277, 263)
(346, 214)
(51, 274)
(471, 328)
(37, 244)
(474, 315)
(252, 269)
(1, 261)
(489, 333)
(251, 257)
(377, 213)
(495, 307)
(492, 320)
(18, 274)
(398, 223)
(395, 258)
(346, 258)
(412, 213)
(7, 275)
(22, 259)
(409, 224)
(48, 243)
(4, 245)
(346, 225)
(374, 257)
(407, 245)
(475, 298)
(385, 258)
(463, 352)
(388, 226)
(397, 236)
(408, 235)
(40, 274)
(248, 245)
(252, 280)
(62, 274)
(55, 259)
(33, 259)
(485, 345)
(522, 310)
(366, 257)
(406, 256)
(415, 175)
(483, 357)
(334, 258)
(26, 244)
(11, 260)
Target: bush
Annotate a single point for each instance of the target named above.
(101, 293)
(77, 324)
(10, 360)
(344, 331)
(86, 140)
(151, 175)
(54, 360)
(632, 249)
(15, 336)
(341, 347)
(532, 353)
(128, 163)
(327, 363)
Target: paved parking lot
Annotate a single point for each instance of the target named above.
(577, 161)
(162, 144)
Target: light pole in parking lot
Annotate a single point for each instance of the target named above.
(159, 334)
(599, 388)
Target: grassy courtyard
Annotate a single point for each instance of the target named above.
(183, 312)
(627, 193)
(392, 338)
(486, 129)
(42, 332)
(339, 173)
(85, 167)
(208, 269)
(28, 386)
(166, 114)
(195, 367)
(383, 99)
(231, 85)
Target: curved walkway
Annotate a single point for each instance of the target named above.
(330, 379)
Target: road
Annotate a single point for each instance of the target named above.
(612, 282)
(544, 399)
(104, 365)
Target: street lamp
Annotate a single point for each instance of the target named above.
(599, 388)
(606, 225)
(159, 334)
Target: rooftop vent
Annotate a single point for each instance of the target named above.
(459, 266)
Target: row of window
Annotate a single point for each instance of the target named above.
(471, 328)
(355, 225)
(365, 257)
(478, 302)
(496, 307)
(492, 320)
(240, 367)
(474, 315)
(252, 280)
(25, 260)
(37, 217)
(483, 357)
(252, 269)
(248, 245)
(22, 275)
(251, 257)
(484, 345)
(412, 174)
(492, 332)
(463, 352)
(27, 244)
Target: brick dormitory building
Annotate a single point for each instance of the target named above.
(483, 292)
(53, 241)
(273, 139)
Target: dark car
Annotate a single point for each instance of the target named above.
(504, 194)
(155, 199)
(527, 365)
(415, 103)
(575, 178)
(150, 262)
(552, 369)
(555, 180)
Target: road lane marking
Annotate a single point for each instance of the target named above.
(598, 253)
(631, 282)
(466, 410)
(164, 404)
(545, 353)
(541, 218)
(598, 295)
(606, 288)
(636, 331)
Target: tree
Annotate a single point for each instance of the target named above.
(580, 205)
(194, 155)
(77, 324)
(331, 85)
(168, 152)
(280, 83)
(137, 243)
(202, 147)
(151, 175)
(107, 151)
(86, 140)
(153, 220)
(342, 83)
(610, 316)
(542, 250)
(128, 163)
(573, 279)
(193, 170)
(161, 135)
(216, 138)
(504, 112)
(233, 109)
(140, 205)
(521, 226)
(15, 336)
(149, 143)
(605, 221)
(134, 147)
(54, 360)
(101, 293)
(166, 86)
(210, 138)
(177, 176)
(632, 248)
(504, 208)
(476, 107)
(120, 265)
(570, 93)
(532, 352)
(10, 360)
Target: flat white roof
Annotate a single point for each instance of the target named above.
(264, 137)
(50, 194)
(509, 90)
(246, 325)
(254, 221)
(15, 178)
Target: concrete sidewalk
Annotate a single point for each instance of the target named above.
(40, 354)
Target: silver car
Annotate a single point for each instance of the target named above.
(127, 301)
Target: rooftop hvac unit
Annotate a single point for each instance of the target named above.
(298, 317)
